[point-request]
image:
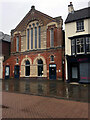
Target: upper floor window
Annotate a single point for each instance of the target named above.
(39, 37)
(52, 37)
(80, 45)
(52, 58)
(31, 38)
(35, 37)
(28, 39)
(17, 43)
(73, 46)
(80, 25)
(88, 44)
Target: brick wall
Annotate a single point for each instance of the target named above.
(6, 46)
(58, 59)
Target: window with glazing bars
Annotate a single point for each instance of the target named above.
(35, 37)
(17, 40)
(73, 46)
(39, 42)
(27, 39)
(52, 38)
(80, 25)
(87, 44)
(31, 38)
(80, 45)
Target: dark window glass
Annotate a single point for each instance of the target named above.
(51, 37)
(88, 44)
(52, 58)
(73, 46)
(35, 37)
(39, 37)
(27, 62)
(40, 67)
(17, 61)
(28, 39)
(17, 39)
(31, 38)
(80, 45)
(80, 25)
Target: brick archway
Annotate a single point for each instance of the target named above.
(44, 65)
(23, 66)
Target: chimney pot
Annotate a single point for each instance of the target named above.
(32, 7)
(70, 8)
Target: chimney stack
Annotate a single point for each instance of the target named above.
(70, 8)
(33, 7)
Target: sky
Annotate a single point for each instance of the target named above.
(13, 11)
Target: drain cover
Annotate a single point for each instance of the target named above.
(3, 106)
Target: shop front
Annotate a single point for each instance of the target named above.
(79, 68)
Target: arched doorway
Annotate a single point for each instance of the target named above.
(16, 71)
(40, 67)
(27, 68)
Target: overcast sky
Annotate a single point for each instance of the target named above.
(13, 11)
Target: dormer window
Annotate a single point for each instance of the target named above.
(80, 25)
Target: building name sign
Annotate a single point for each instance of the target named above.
(53, 65)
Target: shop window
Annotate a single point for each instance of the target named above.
(88, 44)
(52, 58)
(80, 25)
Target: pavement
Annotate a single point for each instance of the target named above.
(16, 105)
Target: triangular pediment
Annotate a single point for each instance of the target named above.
(33, 15)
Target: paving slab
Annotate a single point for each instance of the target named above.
(29, 106)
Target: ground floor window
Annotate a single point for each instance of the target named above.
(27, 68)
(74, 72)
(16, 71)
(84, 72)
(7, 72)
(40, 67)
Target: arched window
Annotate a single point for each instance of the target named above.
(52, 58)
(40, 67)
(27, 68)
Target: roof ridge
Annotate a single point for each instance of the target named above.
(81, 9)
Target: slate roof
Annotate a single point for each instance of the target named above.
(5, 37)
(78, 15)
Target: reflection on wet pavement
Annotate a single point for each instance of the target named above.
(48, 88)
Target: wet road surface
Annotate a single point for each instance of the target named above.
(57, 89)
